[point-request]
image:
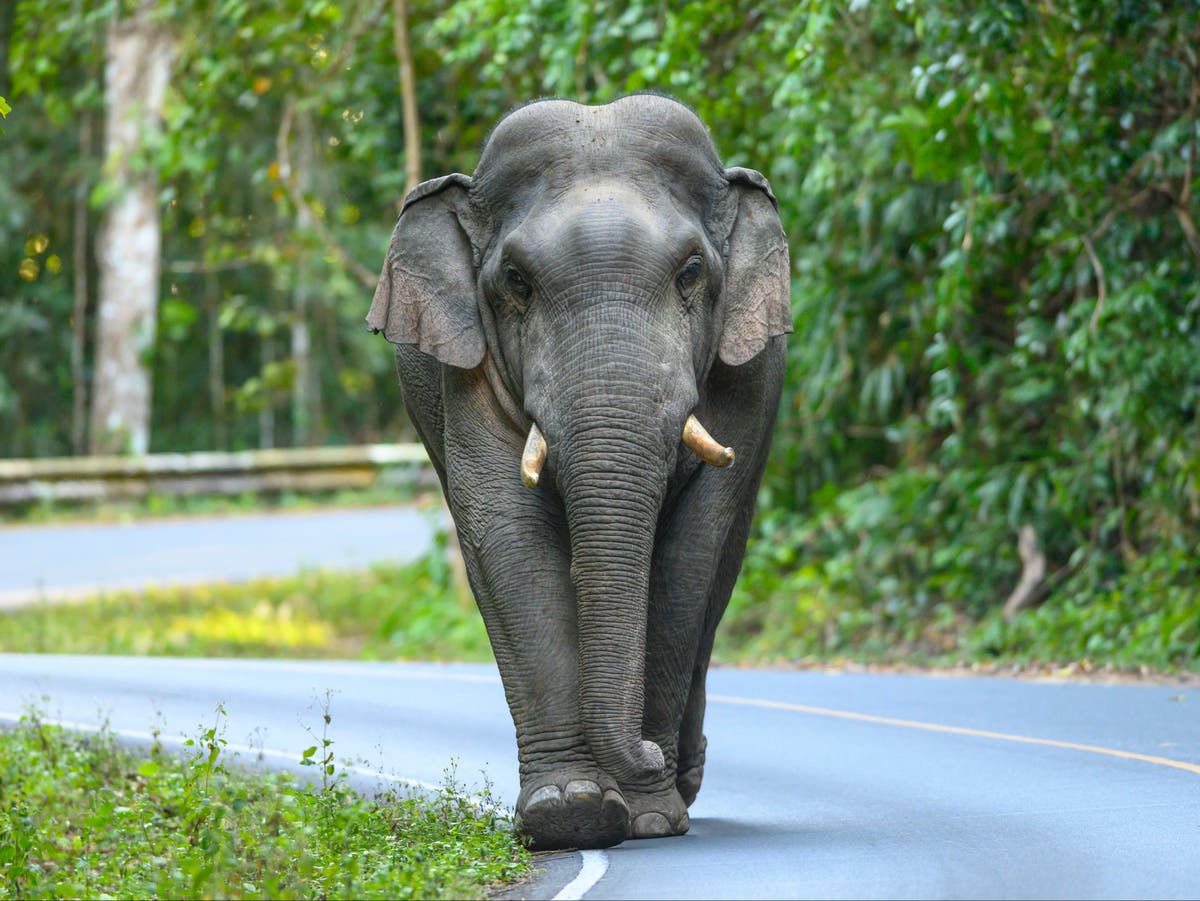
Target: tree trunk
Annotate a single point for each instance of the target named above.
(408, 96)
(79, 309)
(128, 250)
(303, 396)
(216, 360)
(266, 410)
(8, 9)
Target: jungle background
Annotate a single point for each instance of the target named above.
(993, 395)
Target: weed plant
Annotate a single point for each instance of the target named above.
(84, 817)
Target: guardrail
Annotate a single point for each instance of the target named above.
(209, 472)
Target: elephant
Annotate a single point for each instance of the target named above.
(569, 323)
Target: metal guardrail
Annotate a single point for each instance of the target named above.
(208, 472)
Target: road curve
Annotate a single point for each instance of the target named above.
(70, 559)
(818, 785)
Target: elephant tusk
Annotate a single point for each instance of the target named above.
(703, 445)
(533, 457)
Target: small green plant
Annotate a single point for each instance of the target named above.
(81, 816)
(321, 754)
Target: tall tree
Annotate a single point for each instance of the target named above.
(137, 67)
(408, 95)
(8, 10)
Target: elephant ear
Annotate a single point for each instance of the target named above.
(757, 273)
(426, 292)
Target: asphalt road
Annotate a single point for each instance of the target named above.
(817, 786)
(56, 561)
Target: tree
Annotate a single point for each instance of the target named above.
(137, 68)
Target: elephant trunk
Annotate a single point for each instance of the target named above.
(613, 478)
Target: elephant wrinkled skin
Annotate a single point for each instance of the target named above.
(571, 323)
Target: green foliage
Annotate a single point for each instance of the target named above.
(387, 613)
(992, 219)
(996, 305)
(81, 816)
(1149, 616)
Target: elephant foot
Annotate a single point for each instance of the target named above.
(691, 774)
(571, 813)
(656, 814)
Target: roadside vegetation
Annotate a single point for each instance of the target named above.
(169, 506)
(780, 614)
(84, 817)
(385, 613)
(992, 214)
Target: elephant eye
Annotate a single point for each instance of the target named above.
(689, 276)
(515, 283)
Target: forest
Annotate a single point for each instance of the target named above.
(989, 442)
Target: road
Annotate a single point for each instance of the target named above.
(64, 560)
(818, 785)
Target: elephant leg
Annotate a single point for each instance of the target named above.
(692, 742)
(698, 553)
(514, 543)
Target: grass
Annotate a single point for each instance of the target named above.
(1147, 622)
(414, 612)
(384, 613)
(82, 816)
(403, 488)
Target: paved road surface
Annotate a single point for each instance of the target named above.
(818, 785)
(54, 561)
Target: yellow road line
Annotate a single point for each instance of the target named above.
(955, 730)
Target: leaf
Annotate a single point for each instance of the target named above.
(309, 752)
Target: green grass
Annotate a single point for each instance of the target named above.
(780, 613)
(399, 490)
(81, 816)
(385, 613)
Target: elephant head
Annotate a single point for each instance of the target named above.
(598, 264)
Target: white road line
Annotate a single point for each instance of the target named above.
(595, 865)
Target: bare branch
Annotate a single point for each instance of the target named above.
(1189, 228)
(1185, 193)
(199, 267)
(1029, 589)
(1101, 291)
(288, 178)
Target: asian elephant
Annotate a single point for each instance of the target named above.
(571, 322)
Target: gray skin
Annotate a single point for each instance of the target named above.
(603, 276)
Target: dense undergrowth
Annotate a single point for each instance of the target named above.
(837, 586)
(84, 817)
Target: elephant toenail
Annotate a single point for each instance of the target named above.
(547, 794)
(612, 796)
(651, 825)
(582, 790)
